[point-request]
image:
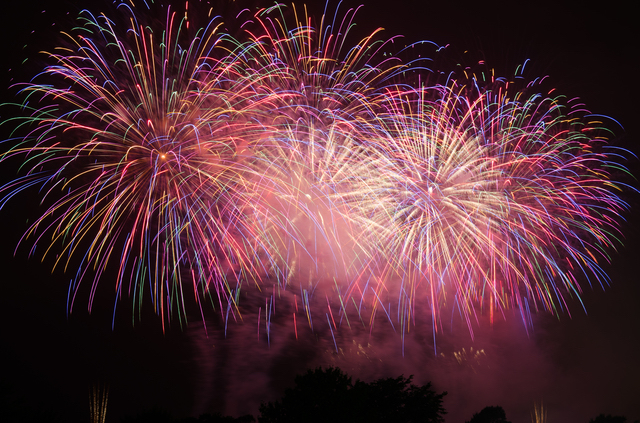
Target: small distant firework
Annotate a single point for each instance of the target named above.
(470, 359)
(197, 165)
(539, 414)
(98, 403)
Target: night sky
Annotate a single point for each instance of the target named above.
(578, 366)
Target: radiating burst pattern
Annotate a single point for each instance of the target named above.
(198, 165)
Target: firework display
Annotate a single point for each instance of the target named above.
(196, 164)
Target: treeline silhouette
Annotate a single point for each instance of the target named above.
(318, 396)
(331, 396)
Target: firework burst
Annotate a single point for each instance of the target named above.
(199, 164)
(489, 197)
(143, 150)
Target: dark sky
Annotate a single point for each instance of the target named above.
(578, 366)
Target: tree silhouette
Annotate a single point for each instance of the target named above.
(218, 418)
(609, 419)
(157, 415)
(328, 395)
(492, 414)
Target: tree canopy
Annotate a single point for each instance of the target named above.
(491, 414)
(328, 395)
(609, 419)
